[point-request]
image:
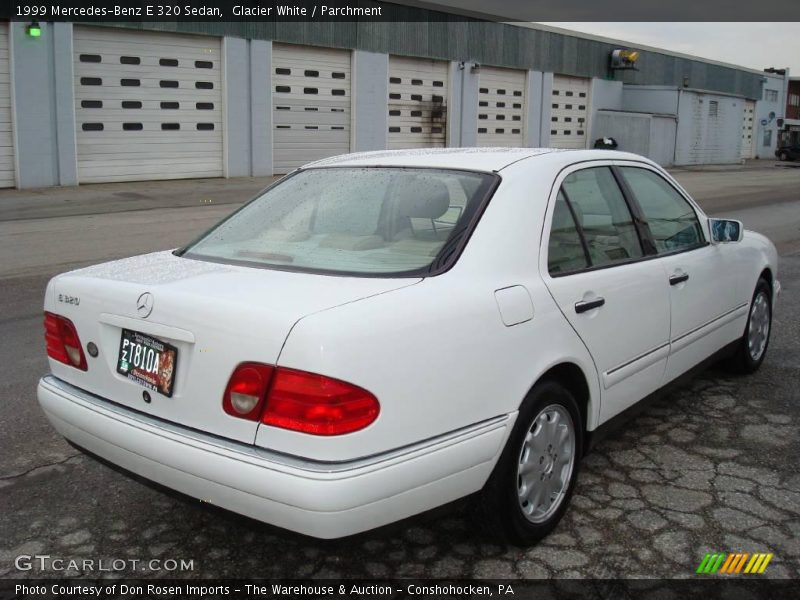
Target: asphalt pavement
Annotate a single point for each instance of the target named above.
(710, 467)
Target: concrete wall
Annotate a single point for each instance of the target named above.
(465, 81)
(645, 134)
(43, 105)
(630, 130)
(533, 110)
(606, 95)
(663, 131)
(370, 93)
(261, 107)
(247, 133)
(236, 128)
(547, 107)
(651, 99)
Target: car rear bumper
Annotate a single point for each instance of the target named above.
(325, 500)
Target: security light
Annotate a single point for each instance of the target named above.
(624, 59)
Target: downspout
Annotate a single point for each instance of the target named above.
(462, 68)
(677, 128)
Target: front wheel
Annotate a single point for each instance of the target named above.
(783, 156)
(753, 344)
(532, 483)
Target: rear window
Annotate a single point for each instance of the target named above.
(353, 221)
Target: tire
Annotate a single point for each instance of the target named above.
(753, 345)
(501, 506)
(783, 156)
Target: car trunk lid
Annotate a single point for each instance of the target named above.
(214, 316)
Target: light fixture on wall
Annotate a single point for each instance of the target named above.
(624, 60)
(475, 68)
(34, 30)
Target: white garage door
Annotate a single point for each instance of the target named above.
(148, 105)
(501, 107)
(310, 104)
(569, 114)
(417, 102)
(6, 135)
(748, 132)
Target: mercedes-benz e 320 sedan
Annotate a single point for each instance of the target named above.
(378, 334)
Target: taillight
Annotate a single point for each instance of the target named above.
(298, 400)
(247, 388)
(317, 404)
(63, 343)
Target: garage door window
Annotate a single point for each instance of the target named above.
(603, 216)
(672, 220)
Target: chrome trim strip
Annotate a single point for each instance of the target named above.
(640, 357)
(711, 322)
(635, 366)
(256, 453)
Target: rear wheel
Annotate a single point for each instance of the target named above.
(532, 483)
(783, 156)
(753, 345)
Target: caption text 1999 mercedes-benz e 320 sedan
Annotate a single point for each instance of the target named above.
(378, 334)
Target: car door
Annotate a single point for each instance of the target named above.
(701, 277)
(606, 285)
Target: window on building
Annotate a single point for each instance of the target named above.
(794, 99)
(771, 95)
(768, 138)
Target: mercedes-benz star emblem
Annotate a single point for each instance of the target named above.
(144, 305)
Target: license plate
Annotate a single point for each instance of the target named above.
(147, 361)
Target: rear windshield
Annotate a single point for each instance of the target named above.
(356, 221)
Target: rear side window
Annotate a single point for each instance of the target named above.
(602, 216)
(565, 252)
(672, 220)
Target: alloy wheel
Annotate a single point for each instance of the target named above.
(758, 328)
(545, 464)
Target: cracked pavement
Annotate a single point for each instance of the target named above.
(710, 467)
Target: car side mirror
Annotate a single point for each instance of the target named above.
(724, 231)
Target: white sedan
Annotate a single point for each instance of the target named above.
(378, 334)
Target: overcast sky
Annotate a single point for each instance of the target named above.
(754, 45)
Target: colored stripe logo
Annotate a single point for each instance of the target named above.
(732, 564)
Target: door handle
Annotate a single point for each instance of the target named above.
(676, 279)
(583, 306)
